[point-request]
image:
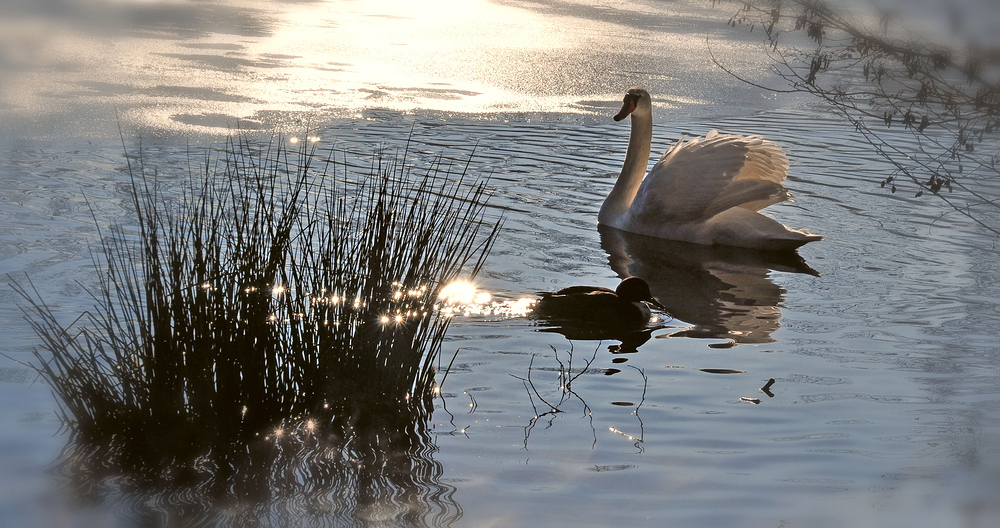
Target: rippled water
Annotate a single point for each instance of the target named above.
(880, 343)
(885, 371)
(880, 340)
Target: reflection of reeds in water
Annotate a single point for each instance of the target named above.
(266, 338)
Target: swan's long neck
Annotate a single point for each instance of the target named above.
(636, 159)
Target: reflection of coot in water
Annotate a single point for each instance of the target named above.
(595, 312)
(724, 292)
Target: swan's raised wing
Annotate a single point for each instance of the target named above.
(700, 178)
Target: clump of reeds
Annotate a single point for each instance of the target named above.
(274, 291)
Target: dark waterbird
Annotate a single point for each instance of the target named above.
(623, 307)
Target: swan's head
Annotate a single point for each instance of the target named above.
(632, 99)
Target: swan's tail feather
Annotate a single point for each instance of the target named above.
(743, 228)
(790, 240)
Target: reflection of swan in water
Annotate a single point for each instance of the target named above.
(724, 292)
(706, 191)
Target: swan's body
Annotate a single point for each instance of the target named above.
(622, 307)
(706, 191)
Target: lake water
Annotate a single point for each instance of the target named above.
(881, 342)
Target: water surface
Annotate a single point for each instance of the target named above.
(880, 340)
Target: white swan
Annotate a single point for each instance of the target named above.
(706, 191)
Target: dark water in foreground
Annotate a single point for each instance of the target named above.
(884, 407)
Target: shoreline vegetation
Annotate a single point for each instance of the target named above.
(265, 338)
(898, 86)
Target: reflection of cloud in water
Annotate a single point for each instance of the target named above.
(722, 292)
(281, 63)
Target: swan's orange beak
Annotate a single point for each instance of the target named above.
(628, 106)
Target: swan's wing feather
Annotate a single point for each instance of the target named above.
(750, 194)
(697, 179)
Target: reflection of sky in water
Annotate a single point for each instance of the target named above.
(203, 66)
(67, 68)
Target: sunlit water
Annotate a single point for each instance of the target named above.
(885, 358)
